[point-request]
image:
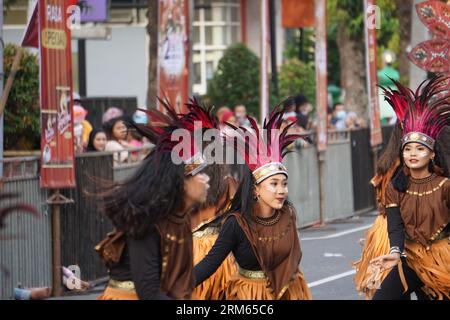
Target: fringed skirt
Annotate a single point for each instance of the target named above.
(242, 287)
(369, 278)
(432, 266)
(119, 290)
(212, 288)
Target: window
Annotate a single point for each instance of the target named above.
(216, 26)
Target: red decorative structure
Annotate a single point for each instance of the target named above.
(432, 55)
(435, 15)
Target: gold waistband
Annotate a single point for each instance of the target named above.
(206, 232)
(123, 285)
(250, 274)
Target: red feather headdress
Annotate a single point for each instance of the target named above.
(424, 113)
(263, 152)
(161, 131)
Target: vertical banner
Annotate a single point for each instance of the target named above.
(297, 14)
(57, 159)
(264, 62)
(370, 24)
(321, 73)
(173, 52)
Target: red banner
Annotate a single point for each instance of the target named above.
(321, 73)
(58, 161)
(173, 52)
(370, 10)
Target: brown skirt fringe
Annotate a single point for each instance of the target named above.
(241, 288)
(212, 288)
(367, 278)
(432, 266)
(118, 294)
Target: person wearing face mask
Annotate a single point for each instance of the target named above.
(339, 115)
(260, 227)
(418, 199)
(149, 255)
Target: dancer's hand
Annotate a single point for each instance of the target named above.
(386, 261)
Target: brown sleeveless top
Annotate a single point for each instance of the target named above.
(177, 277)
(425, 207)
(277, 248)
(206, 215)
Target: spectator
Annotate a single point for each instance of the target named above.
(303, 109)
(240, 112)
(228, 116)
(87, 127)
(116, 132)
(111, 113)
(289, 108)
(352, 121)
(339, 116)
(97, 140)
(79, 115)
(220, 112)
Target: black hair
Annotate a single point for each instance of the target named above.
(150, 194)
(92, 134)
(109, 126)
(390, 153)
(400, 180)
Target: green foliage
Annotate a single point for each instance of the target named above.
(22, 113)
(297, 77)
(236, 80)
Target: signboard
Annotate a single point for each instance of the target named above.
(58, 160)
(173, 52)
(297, 14)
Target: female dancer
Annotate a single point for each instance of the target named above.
(260, 228)
(418, 200)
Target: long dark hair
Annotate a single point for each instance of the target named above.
(150, 194)
(94, 132)
(390, 153)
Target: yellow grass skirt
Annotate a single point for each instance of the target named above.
(118, 294)
(242, 288)
(431, 266)
(367, 278)
(212, 288)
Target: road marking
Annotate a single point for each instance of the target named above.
(329, 254)
(332, 278)
(338, 234)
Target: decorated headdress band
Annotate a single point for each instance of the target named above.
(424, 113)
(263, 153)
(161, 127)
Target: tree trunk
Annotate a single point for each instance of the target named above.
(152, 30)
(353, 70)
(404, 11)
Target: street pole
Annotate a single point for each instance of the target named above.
(273, 46)
(2, 44)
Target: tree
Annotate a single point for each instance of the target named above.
(404, 11)
(236, 79)
(152, 31)
(22, 113)
(298, 77)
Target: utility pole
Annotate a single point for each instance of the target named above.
(2, 76)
